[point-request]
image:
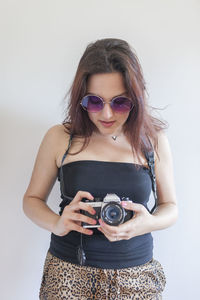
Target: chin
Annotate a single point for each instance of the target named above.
(108, 130)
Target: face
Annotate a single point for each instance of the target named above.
(107, 86)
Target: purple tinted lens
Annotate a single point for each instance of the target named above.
(121, 104)
(92, 103)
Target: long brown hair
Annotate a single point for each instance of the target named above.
(106, 56)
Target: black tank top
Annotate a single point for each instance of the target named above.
(100, 178)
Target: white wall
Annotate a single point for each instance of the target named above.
(41, 44)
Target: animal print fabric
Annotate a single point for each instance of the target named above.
(62, 280)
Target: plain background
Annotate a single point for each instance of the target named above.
(41, 44)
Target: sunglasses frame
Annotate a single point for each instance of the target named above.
(104, 102)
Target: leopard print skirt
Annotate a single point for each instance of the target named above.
(62, 280)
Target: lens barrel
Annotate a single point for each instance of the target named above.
(113, 214)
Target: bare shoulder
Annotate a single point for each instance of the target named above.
(54, 136)
(57, 137)
(56, 132)
(45, 168)
(163, 150)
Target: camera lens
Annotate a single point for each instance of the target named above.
(112, 214)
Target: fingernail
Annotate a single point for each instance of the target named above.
(100, 222)
(124, 203)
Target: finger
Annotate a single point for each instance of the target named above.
(80, 195)
(114, 238)
(77, 206)
(110, 238)
(121, 230)
(80, 207)
(109, 229)
(81, 229)
(82, 218)
(126, 227)
(87, 207)
(136, 207)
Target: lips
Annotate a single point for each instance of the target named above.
(107, 124)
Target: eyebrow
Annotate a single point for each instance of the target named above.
(112, 97)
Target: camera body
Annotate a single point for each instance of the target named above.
(109, 210)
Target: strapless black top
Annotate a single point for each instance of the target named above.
(100, 178)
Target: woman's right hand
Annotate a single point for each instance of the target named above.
(71, 217)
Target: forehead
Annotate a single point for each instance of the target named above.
(106, 85)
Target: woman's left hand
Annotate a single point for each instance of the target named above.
(141, 223)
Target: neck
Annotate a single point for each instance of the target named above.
(112, 137)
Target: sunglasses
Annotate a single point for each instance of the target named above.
(94, 104)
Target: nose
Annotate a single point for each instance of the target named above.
(107, 111)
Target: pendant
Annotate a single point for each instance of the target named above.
(114, 137)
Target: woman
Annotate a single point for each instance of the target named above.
(99, 154)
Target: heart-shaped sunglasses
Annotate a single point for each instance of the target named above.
(94, 104)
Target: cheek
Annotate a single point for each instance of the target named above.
(93, 117)
(123, 117)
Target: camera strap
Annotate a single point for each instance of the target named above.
(61, 171)
(149, 154)
(69, 145)
(80, 251)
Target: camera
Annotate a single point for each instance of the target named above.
(109, 210)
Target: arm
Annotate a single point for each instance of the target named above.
(42, 180)
(166, 212)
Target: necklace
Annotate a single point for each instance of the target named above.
(114, 137)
